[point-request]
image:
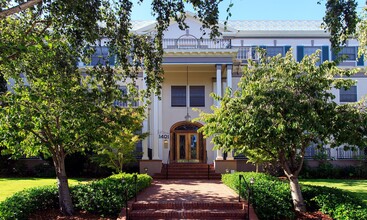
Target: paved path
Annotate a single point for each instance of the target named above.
(188, 191)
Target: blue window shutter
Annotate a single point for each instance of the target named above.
(111, 60)
(360, 61)
(286, 49)
(325, 53)
(333, 56)
(300, 53)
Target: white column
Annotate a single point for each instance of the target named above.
(145, 125)
(219, 93)
(155, 128)
(229, 85)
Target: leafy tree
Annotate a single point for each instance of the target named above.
(63, 111)
(279, 109)
(341, 21)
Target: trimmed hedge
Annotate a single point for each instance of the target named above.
(103, 197)
(28, 201)
(270, 197)
(272, 200)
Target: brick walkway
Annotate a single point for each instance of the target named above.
(189, 191)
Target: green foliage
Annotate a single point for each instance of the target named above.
(341, 21)
(103, 197)
(280, 108)
(335, 202)
(25, 202)
(270, 197)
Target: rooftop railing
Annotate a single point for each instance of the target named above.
(192, 43)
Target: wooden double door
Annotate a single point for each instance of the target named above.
(187, 147)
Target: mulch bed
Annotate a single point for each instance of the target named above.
(55, 214)
(312, 215)
(82, 215)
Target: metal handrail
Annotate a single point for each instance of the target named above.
(248, 190)
(126, 193)
(208, 171)
(168, 160)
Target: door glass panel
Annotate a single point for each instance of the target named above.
(193, 146)
(182, 146)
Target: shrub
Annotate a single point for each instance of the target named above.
(335, 202)
(23, 203)
(272, 200)
(103, 197)
(270, 197)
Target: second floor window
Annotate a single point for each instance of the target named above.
(349, 53)
(348, 95)
(178, 96)
(197, 96)
(273, 51)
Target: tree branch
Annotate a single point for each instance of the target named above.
(19, 8)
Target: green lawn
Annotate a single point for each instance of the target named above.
(357, 187)
(9, 186)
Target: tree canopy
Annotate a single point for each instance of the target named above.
(54, 107)
(279, 109)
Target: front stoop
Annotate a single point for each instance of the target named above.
(187, 210)
(188, 171)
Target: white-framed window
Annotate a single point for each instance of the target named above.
(348, 53)
(273, 51)
(348, 95)
(123, 102)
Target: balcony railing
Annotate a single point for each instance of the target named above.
(350, 154)
(245, 53)
(313, 152)
(191, 43)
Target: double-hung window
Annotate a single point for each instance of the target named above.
(273, 51)
(348, 53)
(348, 95)
(102, 56)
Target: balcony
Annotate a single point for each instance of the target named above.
(350, 154)
(245, 53)
(193, 43)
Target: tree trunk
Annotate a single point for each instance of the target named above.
(66, 204)
(298, 202)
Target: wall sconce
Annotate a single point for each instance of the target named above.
(146, 170)
(165, 141)
(227, 171)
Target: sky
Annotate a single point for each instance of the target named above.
(257, 10)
